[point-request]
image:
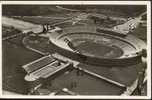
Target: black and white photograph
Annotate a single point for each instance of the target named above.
(75, 49)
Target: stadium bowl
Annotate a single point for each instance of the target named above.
(99, 48)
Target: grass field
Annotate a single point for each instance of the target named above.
(8, 31)
(14, 55)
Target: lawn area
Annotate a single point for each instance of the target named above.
(14, 56)
(141, 32)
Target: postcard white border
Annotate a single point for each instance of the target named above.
(86, 3)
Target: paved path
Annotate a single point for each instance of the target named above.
(21, 25)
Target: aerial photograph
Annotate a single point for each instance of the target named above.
(74, 50)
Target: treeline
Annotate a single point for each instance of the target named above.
(129, 10)
(28, 10)
(35, 10)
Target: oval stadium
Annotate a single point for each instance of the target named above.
(99, 47)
